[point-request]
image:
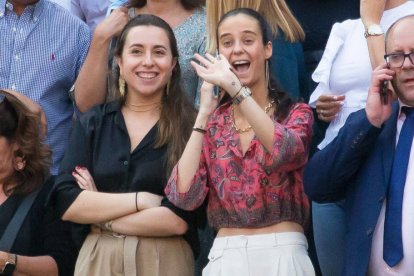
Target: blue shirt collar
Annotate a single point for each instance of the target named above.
(35, 9)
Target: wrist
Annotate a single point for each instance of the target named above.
(102, 35)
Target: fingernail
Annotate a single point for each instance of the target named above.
(335, 98)
(83, 168)
(77, 167)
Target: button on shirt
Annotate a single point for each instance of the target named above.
(377, 265)
(41, 53)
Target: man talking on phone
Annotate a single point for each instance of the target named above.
(371, 164)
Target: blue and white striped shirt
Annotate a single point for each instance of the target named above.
(41, 53)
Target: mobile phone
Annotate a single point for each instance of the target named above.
(384, 92)
(216, 89)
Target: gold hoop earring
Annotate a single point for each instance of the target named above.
(121, 86)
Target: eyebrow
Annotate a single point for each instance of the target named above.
(141, 45)
(244, 32)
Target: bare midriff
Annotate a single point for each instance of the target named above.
(285, 226)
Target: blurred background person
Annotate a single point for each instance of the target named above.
(33, 240)
(92, 12)
(42, 50)
(119, 158)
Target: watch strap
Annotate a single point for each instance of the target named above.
(243, 94)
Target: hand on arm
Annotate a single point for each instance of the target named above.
(378, 112)
(91, 84)
(158, 221)
(142, 201)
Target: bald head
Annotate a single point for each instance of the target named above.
(399, 25)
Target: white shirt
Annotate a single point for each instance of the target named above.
(377, 266)
(345, 67)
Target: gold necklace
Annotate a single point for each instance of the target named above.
(248, 128)
(141, 110)
(141, 105)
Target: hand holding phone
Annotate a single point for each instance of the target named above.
(384, 92)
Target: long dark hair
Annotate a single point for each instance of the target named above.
(21, 126)
(283, 99)
(177, 114)
(187, 4)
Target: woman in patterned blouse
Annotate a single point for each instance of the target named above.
(248, 156)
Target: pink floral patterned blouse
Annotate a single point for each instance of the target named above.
(257, 189)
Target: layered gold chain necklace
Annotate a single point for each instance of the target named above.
(139, 108)
(248, 128)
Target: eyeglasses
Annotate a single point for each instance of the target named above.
(396, 60)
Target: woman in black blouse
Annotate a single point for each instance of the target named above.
(41, 243)
(121, 154)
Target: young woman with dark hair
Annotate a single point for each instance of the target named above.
(247, 156)
(119, 158)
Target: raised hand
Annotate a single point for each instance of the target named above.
(215, 71)
(113, 24)
(378, 111)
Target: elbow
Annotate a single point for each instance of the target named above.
(179, 227)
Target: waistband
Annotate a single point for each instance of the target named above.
(262, 240)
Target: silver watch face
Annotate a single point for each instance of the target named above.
(375, 30)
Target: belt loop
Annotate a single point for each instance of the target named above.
(275, 239)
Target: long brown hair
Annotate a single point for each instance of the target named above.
(276, 13)
(177, 114)
(187, 4)
(21, 126)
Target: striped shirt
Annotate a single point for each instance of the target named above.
(41, 53)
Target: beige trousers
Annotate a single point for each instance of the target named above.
(282, 254)
(108, 254)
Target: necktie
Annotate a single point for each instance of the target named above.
(393, 247)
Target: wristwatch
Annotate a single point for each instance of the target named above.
(243, 94)
(9, 265)
(373, 30)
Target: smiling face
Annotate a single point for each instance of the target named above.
(401, 40)
(241, 42)
(146, 61)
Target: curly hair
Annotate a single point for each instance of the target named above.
(21, 126)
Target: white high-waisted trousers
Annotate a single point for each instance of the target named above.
(282, 254)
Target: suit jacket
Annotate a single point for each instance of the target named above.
(356, 166)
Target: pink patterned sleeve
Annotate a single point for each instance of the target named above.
(291, 141)
(195, 196)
